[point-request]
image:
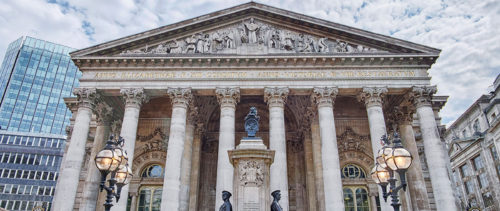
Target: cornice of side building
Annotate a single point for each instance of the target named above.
(484, 99)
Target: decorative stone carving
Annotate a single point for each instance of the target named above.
(116, 127)
(228, 96)
(251, 36)
(134, 97)
(180, 96)
(372, 96)
(251, 172)
(192, 114)
(86, 97)
(401, 115)
(421, 95)
(324, 96)
(69, 131)
(351, 141)
(157, 132)
(103, 113)
(276, 96)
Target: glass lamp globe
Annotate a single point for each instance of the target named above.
(380, 174)
(107, 160)
(123, 175)
(399, 159)
(381, 155)
(122, 154)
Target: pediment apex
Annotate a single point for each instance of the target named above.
(296, 29)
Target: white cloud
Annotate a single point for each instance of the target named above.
(466, 31)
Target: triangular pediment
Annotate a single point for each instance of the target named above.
(254, 29)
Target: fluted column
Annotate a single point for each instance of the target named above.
(187, 158)
(433, 148)
(133, 98)
(181, 98)
(67, 183)
(276, 99)
(195, 170)
(324, 98)
(228, 98)
(372, 97)
(104, 115)
(416, 183)
(308, 159)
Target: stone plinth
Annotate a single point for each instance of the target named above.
(251, 160)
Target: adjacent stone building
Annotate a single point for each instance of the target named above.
(473, 145)
(179, 94)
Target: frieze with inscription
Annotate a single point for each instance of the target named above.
(251, 36)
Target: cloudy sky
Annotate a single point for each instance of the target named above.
(467, 31)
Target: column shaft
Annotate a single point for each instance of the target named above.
(309, 163)
(170, 199)
(227, 97)
(91, 187)
(372, 98)
(330, 156)
(415, 178)
(276, 98)
(318, 165)
(133, 102)
(433, 148)
(186, 160)
(69, 176)
(195, 169)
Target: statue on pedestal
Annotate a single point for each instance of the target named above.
(227, 205)
(275, 206)
(252, 122)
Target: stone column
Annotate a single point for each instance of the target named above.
(324, 98)
(195, 170)
(434, 152)
(228, 98)
(104, 114)
(403, 115)
(181, 98)
(372, 97)
(69, 175)
(308, 154)
(133, 98)
(276, 99)
(186, 158)
(318, 164)
(133, 201)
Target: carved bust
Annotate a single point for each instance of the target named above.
(252, 122)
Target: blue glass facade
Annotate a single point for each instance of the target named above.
(35, 77)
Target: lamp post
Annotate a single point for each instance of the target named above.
(113, 161)
(390, 159)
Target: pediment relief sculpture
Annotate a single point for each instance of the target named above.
(251, 37)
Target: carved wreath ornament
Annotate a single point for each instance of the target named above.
(251, 173)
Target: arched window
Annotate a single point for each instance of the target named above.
(149, 198)
(152, 171)
(356, 199)
(351, 171)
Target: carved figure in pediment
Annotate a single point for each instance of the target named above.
(288, 42)
(200, 44)
(340, 46)
(175, 47)
(217, 41)
(191, 44)
(252, 29)
(322, 46)
(301, 43)
(275, 41)
(206, 45)
(229, 39)
(161, 48)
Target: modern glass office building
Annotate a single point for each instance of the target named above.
(35, 77)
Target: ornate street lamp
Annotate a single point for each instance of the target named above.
(391, 158)
(114, 161)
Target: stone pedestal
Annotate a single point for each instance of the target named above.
(251, 160)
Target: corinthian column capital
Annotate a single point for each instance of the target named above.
(421, 95)
(324, 96)
(103, 113)
(180, 96)
(87, 97)
(192, 115)
(372, 96)
(276, 96)
(134, 97)
(228, 96)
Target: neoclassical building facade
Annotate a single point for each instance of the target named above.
(325, 94)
